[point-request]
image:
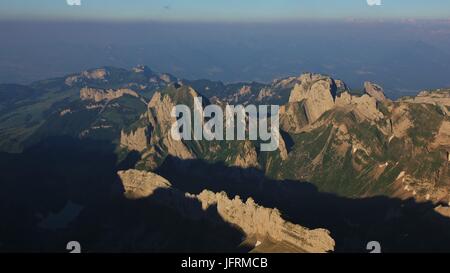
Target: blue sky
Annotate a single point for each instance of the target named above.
(223, 10)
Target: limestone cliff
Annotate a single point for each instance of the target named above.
(138, 184)
(252, 219)
(364, 107)
(159, 115)
(319, 93)
(314, 95)
(255, 220)
(135, 140)
(98, 95)
(440, 98)
(293, 117)
(247, 156)
(375, 91)
(95, 74)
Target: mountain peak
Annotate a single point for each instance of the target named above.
(375, 91)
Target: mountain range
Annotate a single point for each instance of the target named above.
(90, 156)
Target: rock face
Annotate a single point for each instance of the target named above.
(364, 107)
(245, 90)
(374, 91)
(293, 117)
(283, 149)
(255, 220)
(98, 95)
(265, 93)
(442, 138)
(443, 210)
(71, 80)
(249, 217)
(135, 140)
(341, 86)
(96, 74)
(319, 93)
(440, 98)
(247, 157)
(167, 78)
(314, 94)
(159, 115)
(138, 184)
(401, 122)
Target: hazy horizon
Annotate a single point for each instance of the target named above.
(403, 56)
(402, 45)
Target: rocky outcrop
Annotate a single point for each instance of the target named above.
(317, 91)
(265, 93)
(341, 86)
(252, 219)
(167, 78)
(319, 94)
(443, 210)
(401, 122)
(255, 220)
(159, 115)
(439, 97)
(245, 90)
(98, 95)
(375, 91)
(288, 82)
(71, 80)
(96, 74)
(247, 157)
(283, 149)
(364, 107)
(293, 117)
(136, 140)
(139, 184)
(442, 138)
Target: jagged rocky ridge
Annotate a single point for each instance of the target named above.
(254, 220)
